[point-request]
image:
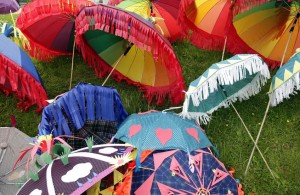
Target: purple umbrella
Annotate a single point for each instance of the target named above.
(84, 169)
(7, 6)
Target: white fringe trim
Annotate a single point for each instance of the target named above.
(227, 76)
(288, 88)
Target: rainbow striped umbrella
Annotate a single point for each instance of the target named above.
(266, 30)
(114, 39)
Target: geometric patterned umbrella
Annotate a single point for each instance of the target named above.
(176, 172)
(236, 78)
(285, 81)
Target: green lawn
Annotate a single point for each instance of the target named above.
(280, 139)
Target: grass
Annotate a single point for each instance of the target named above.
(279, 142)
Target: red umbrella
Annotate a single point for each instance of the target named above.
(49, 26)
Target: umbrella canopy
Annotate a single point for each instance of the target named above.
(176, 172)
(7, 6)
(209, 20)
(162, 13)
(12, 140)
(84, 169)
(18, 75)
(111, 37)
(236, 78)
(6, 29)
(50, 27)
(162, 131)
(86, 110)
(286, 81)
(266, 30)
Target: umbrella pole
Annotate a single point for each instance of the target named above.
(117, 63)
(255, 144)
(72, 66)
(115, 66)
(269, 103)
(224, 48)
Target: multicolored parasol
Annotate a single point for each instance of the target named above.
(49, 26)
(83, 170)
(116, 41)
(267, 29)
(209, 20)
(162, 13)
(176, 172)
(19, 75)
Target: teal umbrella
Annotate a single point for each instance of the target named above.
(286, 81)
(236, 78)
(161, 131)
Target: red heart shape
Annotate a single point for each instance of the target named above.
(164, 135)
(194, 133)
(134, 129)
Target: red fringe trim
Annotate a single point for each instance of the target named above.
(143, 36)
(26, 88)
(38, 9)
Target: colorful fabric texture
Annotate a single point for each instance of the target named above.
(286, 81)
(84, 169)
(18, 75)
(109, 37)
(265, 29)
(162, 13)
(236, 78)
(86, 110)
(49, 26)
(176, 172)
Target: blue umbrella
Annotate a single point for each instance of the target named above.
(172, 172)
(19, 75)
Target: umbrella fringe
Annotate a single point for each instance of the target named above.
(285, 90)
(26, 88)
(229, 75)
(253, 65)
(39, 9)
(143, 36)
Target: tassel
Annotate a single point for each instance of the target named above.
(138, 161)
